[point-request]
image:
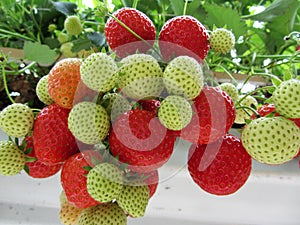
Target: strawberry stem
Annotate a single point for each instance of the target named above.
(185, 7)
(5, 85)
(252, 92)
(134, 5)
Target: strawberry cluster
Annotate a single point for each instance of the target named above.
(110, 121)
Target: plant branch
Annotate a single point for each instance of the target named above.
(5, 85)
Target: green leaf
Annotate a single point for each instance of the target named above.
(177, 6)
(221, 16)
(26, 168)
(287, 76)
(39, 53)
(66, 8)
(276, 9)
(80, 44)
(276, 82)
(30, 159)
(97, 39)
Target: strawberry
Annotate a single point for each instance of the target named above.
(140, 76)
(42, 90)
(115, 104)
(72, 25)
(221, 167)
(69, 213)
(124, 42)
(12, 159)
(152, 181)
(298, 48)
(16, 120)
(66, 50)
(134, 198)
(286, 98)
(183, 76)
(221, 40)
(151, 105)
(89, 122)
(63, 80)
(53, 142)
(38, 169)
(183, 35)
(266, 109)
(231, 90)
(105, 182)
(139, 139)
(271, 140)
(74, 181)
(98, 72)
(242, 114)
(175, 112)
(214, 114)
(62, 37)
(103, 214)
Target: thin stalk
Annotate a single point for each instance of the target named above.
(185, 7)
(134, 5)
(5, 85)
(228, 74)
(21, 70)
(252, 92)
(16, 35)
(248, 108)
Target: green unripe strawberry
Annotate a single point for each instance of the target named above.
(69, 213)
(12, 159)
(104, 182)
(66, 50)
(140, 76)
(52, 28)
(16, 120)
(231, 90)
(89, 122)
(73, 25)
(98, 72)
(222, 40)
(62, 37)
(134, 199)
(184, 76)
(103, 214)
(287, 98)
(271, 140)
(175, 112)
(243, 114)
(115, 104)
(42, 90)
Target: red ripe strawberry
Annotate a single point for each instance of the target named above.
(152, 181)
(214, 115)
(264, 110)
(52, 139)
(74, 181)
(118, 38)
(189, 36)
(298, 48)
(151, 105)
(139, 139)
(38, 169)
(220, 168)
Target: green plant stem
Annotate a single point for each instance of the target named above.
(262, 75)
(252, 92)
(246, 107)
(5, 85)
(16, 35)
(30, 65)
(228, 74)
(185, 7)
(134, 5)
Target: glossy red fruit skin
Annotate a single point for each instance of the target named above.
(53, 142)
(214, 115)
(187, 32)
(73, 178)
(151, 105)
(143, 149)
(37, 169)
(117, 36)
(220, 168)
(152, 180)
